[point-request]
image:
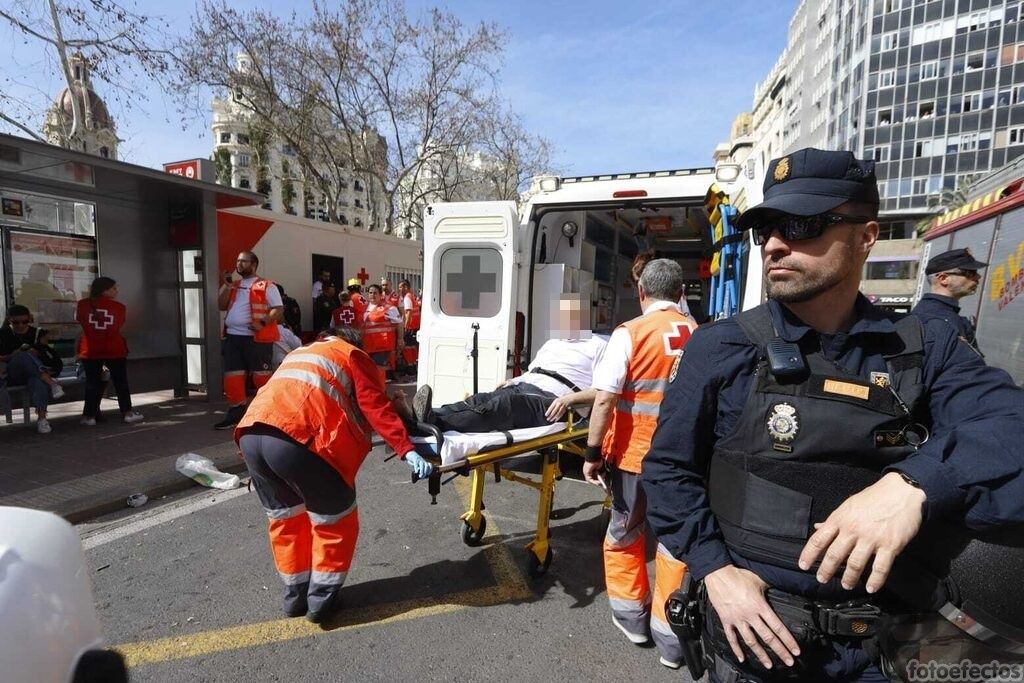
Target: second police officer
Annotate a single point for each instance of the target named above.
(803, 444)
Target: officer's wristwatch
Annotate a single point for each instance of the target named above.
(909, 479)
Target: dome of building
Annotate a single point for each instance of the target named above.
(96, 107)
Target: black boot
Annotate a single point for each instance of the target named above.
(294, 603)
(233, 417)
(326, 609)
(421, 404)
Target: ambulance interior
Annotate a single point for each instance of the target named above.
(590, 250)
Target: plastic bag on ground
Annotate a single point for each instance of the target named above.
(203, 471)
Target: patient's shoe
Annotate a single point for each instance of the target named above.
(421, 407)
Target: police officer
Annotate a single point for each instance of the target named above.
(802, 444)
(952, 275)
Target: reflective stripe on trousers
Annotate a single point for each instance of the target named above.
(625, 565)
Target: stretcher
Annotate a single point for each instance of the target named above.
(477, 455)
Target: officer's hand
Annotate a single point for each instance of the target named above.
(420, 467)
(876, 523)
(557, 409)
(738, 597)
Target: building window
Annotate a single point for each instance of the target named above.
(890, 40)
(359, 204)
(975, 61)
(926, 110)
(926, 148)
(892, 5)
(968, 142)
(929, 70)
(972, 101)
(894, 230)
(105, 152)
(884, 117)
(882, 153)
(357, 186)
(343, 219)
(358, 223)
(243, 161)
(244, 183)
(890, 270)
(1012, 53)
(243, 139)
(1017, 136)
(225, 138)
(887, 79)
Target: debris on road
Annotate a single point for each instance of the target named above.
(203, 471)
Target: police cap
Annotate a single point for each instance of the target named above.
(813, 181)
(954, 259)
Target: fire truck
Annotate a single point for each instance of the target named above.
(493, 273)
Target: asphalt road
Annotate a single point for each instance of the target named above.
(186, 589)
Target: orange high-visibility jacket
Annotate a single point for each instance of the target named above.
(312, 397)
(657, 339)
(379, 333)
(259, 308)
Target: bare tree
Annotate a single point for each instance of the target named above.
(120, 43)
(364, 90)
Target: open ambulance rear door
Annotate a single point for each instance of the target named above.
(470, 275)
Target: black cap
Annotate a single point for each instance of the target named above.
(812, 181)
(954, 259)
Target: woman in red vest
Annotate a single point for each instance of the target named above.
(102, 317)
(382, 330)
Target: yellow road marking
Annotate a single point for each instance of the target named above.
(509, 586)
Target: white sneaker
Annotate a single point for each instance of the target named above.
(635, 638)
(43, 426)
(669, 664)
(88, 421)
(58, 391)
(133, 416)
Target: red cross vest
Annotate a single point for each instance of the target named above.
(657, 340)
(259, 309)
(379, 333)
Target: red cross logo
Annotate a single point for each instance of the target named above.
(101, 319)
(676, 339)
(363, 275)
(347, 315)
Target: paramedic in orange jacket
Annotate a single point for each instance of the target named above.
(630, 381)
(254, 307)
(303, 438)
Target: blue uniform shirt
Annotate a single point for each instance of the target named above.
(946, 308)
(971, 469)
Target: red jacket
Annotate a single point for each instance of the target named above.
(101, 320)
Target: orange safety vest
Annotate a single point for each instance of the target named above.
(359, 303)
(311, 398)
(414, 317)
(393, 299)
(657, 340)
(379, 333)
(259, 309)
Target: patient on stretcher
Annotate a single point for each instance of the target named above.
(558, 379)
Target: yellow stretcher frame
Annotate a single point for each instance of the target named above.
(474, 523)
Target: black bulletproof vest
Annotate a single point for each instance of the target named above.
(801, 447)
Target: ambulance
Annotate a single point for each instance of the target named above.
(493, 275)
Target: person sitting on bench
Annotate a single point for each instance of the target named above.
(550, 386)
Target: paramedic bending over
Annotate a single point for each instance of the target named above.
(559, 377)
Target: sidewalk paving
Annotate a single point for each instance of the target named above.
(83, 472)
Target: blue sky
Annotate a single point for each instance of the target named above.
(616, 86)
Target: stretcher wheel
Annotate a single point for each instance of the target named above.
(473, 538)
(534, 567)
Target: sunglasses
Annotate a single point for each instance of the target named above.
(969, 274)
(795, 228)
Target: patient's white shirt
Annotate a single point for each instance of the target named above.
(573, 359)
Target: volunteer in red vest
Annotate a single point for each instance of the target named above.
(254, 307)
(390, 296)
(304, 438)
(382, 329)
(410, 321)
(355, 291)
(630, 381)
(102, 316)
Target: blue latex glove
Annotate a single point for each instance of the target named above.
(420, 467)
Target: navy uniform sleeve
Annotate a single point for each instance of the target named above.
(676, 466)
(972, 466)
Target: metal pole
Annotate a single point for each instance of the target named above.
(475, 353)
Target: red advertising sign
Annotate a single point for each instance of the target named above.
(188, 169)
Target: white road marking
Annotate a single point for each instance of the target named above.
(100, 537)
